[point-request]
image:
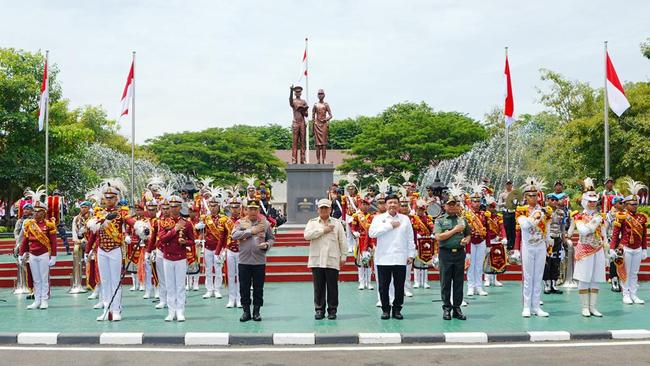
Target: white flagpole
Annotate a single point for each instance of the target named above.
(507, 137)
(606, 112)
(133, 134)
(307, 100)
(47, 123)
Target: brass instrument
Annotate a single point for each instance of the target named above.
(21, 286)
(76, 286)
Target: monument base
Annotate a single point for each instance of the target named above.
(306, 184)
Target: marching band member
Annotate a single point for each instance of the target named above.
(79, 239)
(363, 250)
(175, 240)
(24, 282)
(406, 210)
(608, 195)
(423, 225)
(617, 207)
(39, 241)
(107, 227)
(212, 227)
(351, 203)
(629, 237)
(150, 280)
(496, 243)
(590, 250)
(136, 251)
(155, 248)
(533, 238)
(557, 231)
(478, 224)
(231, 248)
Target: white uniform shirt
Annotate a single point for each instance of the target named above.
(394, 245)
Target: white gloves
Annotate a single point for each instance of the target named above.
(127, 239)
(436, 261)
(356, 234)
(419, 236)
(596, 220)
(612, 253)
(504, 241)
(468, 256)
(516, 255)
(85, 259)
(21, 259)
(147, 256)
(52, 261)
(152, 256)
(562, 254)
(200, 226)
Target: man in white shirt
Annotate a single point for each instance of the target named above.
(395, 249)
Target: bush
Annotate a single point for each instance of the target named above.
(4, 229)
(645, 210)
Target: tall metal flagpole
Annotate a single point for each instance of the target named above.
(606, 112)
(507, 137)
(133, 134)
(47, 123)
(307, 98)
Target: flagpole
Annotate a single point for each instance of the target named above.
(133, 135)
(47, 123)
(307, 97)
(507, 139)
(606, 112)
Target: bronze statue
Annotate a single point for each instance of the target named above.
(321, 115)
(298, 128)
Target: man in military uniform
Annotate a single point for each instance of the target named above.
(453, 234)
(610, 218)
(507, 204)
(556, 252)
(629, 236)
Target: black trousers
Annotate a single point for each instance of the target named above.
(251, 274)
(613, 272)
(510, 225)
(326, 285)
(452, 271)
(552, 267)
(397, 274)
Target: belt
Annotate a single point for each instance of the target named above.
(509, 211)
(452, 250)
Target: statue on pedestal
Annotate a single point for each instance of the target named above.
(298, 127)
(321, 115)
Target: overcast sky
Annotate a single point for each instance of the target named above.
(202, 64)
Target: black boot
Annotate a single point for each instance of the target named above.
(385, 312)
(246, 316)
(446, 314)
(397, 313)
(319, 315)
(458, 314)
(256, 313)
(554, 289)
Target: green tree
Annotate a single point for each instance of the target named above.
(645, 48)
(569, 99)
(410, 137)
(343, 132)
(277, 137)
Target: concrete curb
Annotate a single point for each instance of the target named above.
(284, 339)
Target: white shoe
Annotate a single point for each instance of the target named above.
(103, 317)
(230, 304)
(541, 313)
(408, 293)
(195, 288)
(541, 302)
(141, 288)
(238, 303)
(180, 315)
(99, 305)
(470, 292)
(93, 296)
(132, 288)
(378, 304)
(117, 317)
(208, 294)
(627, 300)
(482, 292)
(170, 316)
(426, 285)
(526, 313)
(370, 286)
(463, 304)
(156, 294)
(44, 305)
(161, 305)
(217, 294)
(349, 251)
(585, 312)
(636, 300)
(498, 284)
(146, 295)
(34, 305)
(187, 287)
(486, 283)
(361, 286)
(416, 285)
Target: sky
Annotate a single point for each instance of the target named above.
(202, 64)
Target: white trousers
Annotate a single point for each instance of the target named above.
(162, 284)
(533, 260)
(352, 241)
(175, 281)
(110, 271)
(40, 268)
(148, 285)
(421, 277)
(475, 270)
(364, 274)
(232, 260)
(408, 284)
(213, 273)
(632, 266)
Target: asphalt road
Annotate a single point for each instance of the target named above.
(573, 354)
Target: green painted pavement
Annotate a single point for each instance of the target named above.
(288, 308)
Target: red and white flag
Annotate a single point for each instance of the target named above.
(615, 93)
(127, 94)
(303, 65)
(510, 102)
(45, 98)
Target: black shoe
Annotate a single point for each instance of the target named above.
(256, 314)
(385, 315)
(319, 315)
(397, 315)
(331, 316)
(458, 314)
(246, 316)
(556, 291)
(446, 314)
(546, 292)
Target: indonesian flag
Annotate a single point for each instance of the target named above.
(303, 64)
(45, 97)
(128, 92)
(510, 102)
(615, 93)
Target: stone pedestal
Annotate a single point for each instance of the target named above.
(306, 184)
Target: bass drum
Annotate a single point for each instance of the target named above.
(434, 210)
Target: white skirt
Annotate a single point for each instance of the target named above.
(591, 268)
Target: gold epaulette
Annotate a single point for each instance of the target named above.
(487, 214)
(500, 214)
(573, 213)
(50, 224)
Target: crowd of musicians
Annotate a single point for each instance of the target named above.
(396, 235)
